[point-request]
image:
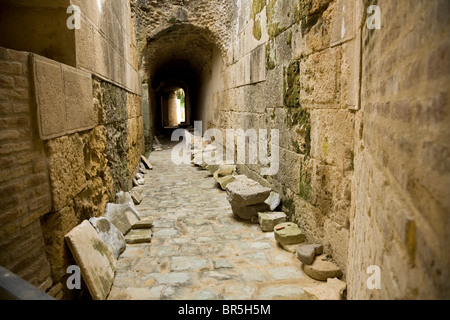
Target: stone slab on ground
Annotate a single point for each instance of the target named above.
(288, 233)
(146, 163)
(123, 216)
(124, 198)
(212, 168)
(139, 236)
(249, 212)
(97, 263)
(136, 197)
(322, 269)
(307, 253)
(225, 170)
(246, 192)
(224, 181)
(268, 220)
(332, 290)
(146, 223)
(274, 200)
(110, 235)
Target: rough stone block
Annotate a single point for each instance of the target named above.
(79, 102)
(343, 25)
(273, 201)
(268, 220)
(224, 181)
(143, 224)
(124, 198)
(49, 97)
(246, 192)
(288, 233)
(212, 168)
(67, 169)
(332, 290)
(123, 216)
(96, 261)
(322, 269)
(146, 163)
(136, 197)
(110, 235)
(248, 212)
(139, 236)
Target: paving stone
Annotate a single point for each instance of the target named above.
(322, 269)
(146, 223)
(222, 264)
(188, 264)
(96, 262)
(332, 290)
(246, 192)
(288, 233)
(281, 292)
(273, 201)
(123, 216)
(268, 220)
(139, 236)
(110, 235)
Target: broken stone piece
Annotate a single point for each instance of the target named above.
(146, 163)
(136, 197)
(246, 192)
(322, 269)
(110, 235)
(332, 290)
(123, 216)
(96, 262)
(290, 234)
(268, 220)
(273, 200)
(123, 198)
(143, 224)
(139, 236)
(224, 181)
(248, 212)
(306, 254)
(225, 170)
(212, 168)
(140, 182)
(139, 176)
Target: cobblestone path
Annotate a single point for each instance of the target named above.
(200, 250)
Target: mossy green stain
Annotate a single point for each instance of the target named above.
(257, 32)
(305, 184)
(270, 63)
(257, 7)
(292, 85)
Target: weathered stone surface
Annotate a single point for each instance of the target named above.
(110, 235)
(96, 261)
(288, 233)
(143, 224)
(274, 200)
(322, 269)
(306, 254)
(332, 290)
(212, 168)
(248, 212)
(140, 182)
(246, 192)
(146, 163)
(136, 197)
(224, 181)
(139, 236)
(124, 198)
(123, 216)
(225, 170)
(268, 220)
(139, 176)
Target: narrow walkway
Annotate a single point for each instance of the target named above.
(199, 249)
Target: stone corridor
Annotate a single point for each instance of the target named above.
(200, 250)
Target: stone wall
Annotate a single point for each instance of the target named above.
(361, 113)
(400, 198)
(72, 138)
(24, 184)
